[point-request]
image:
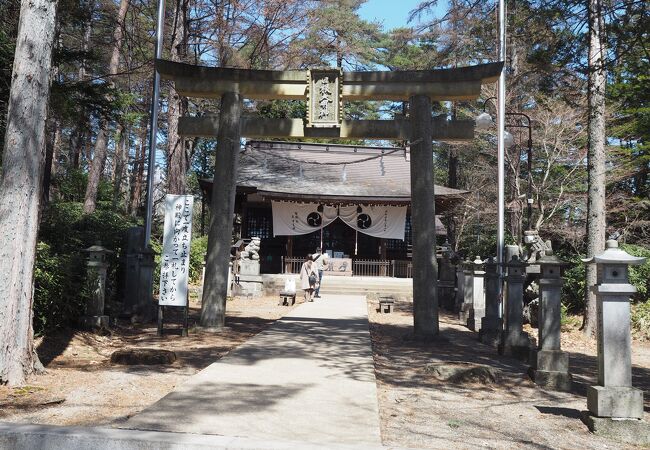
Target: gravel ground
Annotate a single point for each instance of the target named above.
(418, 410)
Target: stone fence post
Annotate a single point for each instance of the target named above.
(477, 310)
(468, 291)
(514, 341)
(550, 365)
(460, 287)
(491, 324)
(614, 396)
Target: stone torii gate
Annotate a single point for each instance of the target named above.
(325, 90)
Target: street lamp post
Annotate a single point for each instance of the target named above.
(484, 121)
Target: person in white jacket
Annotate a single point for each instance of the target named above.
(308, 278)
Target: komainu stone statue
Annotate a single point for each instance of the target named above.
(251, 251)
(535, 246)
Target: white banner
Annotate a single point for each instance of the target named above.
(175, 258)
(290, 219)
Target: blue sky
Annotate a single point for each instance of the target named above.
(393, 13)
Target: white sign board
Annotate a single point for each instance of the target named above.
(175, 258)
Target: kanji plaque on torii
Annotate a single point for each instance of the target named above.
(324, 98)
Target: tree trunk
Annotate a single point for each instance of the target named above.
(96, 169)
(99, 155)
(138, 170)
(595, 158)
(21, 184)
(178, 160)
(121, 153)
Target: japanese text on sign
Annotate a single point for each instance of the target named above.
(175, 258)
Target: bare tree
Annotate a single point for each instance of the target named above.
(21, 184)
(178, 156)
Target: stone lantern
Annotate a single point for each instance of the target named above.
(614, 397)
(97, 267)
(550, 365)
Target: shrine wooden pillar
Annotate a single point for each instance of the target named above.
(215, 287)
(425, 266)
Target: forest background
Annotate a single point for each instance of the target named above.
(96, 131)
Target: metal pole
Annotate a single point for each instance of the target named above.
(529, 156)
(501, 112)
(153, 124)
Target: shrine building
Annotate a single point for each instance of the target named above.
(353, 201)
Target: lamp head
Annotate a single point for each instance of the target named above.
(483, 121)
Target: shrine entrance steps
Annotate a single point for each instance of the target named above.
(342, 285)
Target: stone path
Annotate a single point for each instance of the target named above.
(309, 377)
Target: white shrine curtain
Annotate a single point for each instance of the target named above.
(382, 221)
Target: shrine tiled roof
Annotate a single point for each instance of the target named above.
(300, 170)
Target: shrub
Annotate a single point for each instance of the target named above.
(60, 273)
(641, 320)
(198, 249)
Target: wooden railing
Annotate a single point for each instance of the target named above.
(361, 267)
(291, 264)
(371, 268)
(402, 269)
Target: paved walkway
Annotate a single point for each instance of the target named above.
(309, 377)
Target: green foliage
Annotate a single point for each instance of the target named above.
(60, 274)
(640, 275)
(71, 187)
(198, 249)
(641, 320)
(573, 289)
(57, 282)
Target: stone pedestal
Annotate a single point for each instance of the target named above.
(614, 397)
(550, 365)
(514, 341)
(491, 323)
(250, 280)
(468, 292)
(477, 310)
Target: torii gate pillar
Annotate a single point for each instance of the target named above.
(215, 287)
(425, 267)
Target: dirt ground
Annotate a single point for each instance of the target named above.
(82, 387)
(419, 410)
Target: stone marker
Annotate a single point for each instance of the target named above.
(468, 295)
(550, 365)
(514, 341)
(491, 324)
(96, 281)
(614, 397)
(477, 309)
